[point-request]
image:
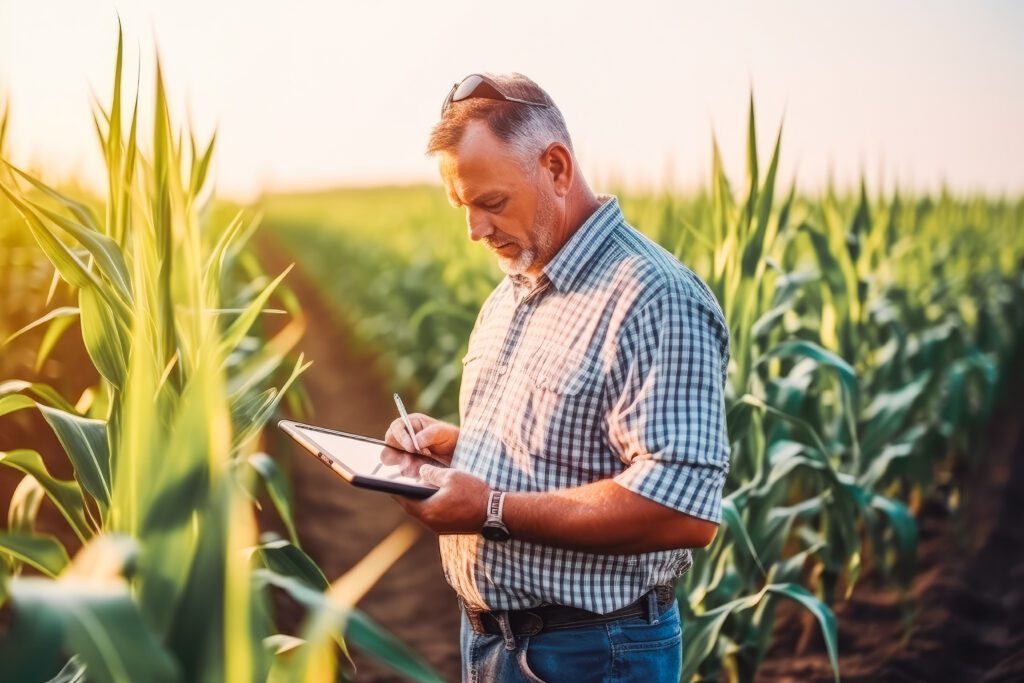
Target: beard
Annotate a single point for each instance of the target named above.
(541, 246)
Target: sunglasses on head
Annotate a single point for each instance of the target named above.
(476, 85)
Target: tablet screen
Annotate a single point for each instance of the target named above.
(368, 458)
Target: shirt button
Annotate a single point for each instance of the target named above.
(502, 368)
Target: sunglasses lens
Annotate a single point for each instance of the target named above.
(466, 88)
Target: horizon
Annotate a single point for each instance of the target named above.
(929, 99)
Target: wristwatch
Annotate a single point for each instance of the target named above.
(494, 529)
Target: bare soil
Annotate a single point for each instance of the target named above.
(338, 523)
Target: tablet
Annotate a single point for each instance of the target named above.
(364, 461)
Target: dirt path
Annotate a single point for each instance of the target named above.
(338, 524)
(967, 601)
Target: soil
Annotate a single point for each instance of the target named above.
(338, 523)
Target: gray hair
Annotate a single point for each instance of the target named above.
(527, 130)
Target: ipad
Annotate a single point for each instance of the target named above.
(364, 461)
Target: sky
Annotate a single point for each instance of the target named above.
(307, 95)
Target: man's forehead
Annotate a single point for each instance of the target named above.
(466, 181)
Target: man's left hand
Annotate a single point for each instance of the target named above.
(458, 507)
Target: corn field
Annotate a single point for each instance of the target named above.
(163, 576)
(868, 333)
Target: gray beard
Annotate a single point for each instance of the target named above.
(543, 244)
(519, 264)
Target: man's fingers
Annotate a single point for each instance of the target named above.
(397, 435)
(430, 436)
(432, 475)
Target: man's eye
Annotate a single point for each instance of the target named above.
(495, 207)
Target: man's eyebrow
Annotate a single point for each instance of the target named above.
(490, 195)
(478, 200)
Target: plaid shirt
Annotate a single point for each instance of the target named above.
(614, 365)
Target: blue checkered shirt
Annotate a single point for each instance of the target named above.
(613, 365)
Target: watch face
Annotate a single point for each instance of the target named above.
(494, 533)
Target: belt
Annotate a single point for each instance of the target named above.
(528, 622)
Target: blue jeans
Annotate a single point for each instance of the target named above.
(627, 649)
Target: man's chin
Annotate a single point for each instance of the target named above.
(516, 265)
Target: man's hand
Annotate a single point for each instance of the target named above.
(458, 507)
(435, 437)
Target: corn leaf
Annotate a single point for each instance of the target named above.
(85, 442)
(43, 552)
(65, 494)
(278, 489)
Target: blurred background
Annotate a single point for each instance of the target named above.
(318, 94)
(193, 213)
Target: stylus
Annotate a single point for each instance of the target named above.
(405, 419)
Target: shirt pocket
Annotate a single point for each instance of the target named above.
(565, 373)
(555, 411)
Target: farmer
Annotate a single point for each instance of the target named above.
(592, 449)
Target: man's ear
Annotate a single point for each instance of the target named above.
(556, 161)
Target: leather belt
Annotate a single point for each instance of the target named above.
(528, 622)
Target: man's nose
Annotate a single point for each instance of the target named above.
(479, 225)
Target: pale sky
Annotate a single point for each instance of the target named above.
(314, 94)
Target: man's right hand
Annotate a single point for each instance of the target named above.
(436, 438)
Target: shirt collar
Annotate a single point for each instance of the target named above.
(585, 243)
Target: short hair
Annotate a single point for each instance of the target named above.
(526, 129)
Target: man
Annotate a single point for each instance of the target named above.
(592, 450)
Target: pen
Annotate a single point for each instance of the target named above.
(405, 419)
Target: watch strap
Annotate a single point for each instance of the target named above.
(496, 506)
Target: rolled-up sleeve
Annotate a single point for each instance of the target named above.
(667, 422)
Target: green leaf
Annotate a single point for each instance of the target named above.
(14, 402)
(366, 634)
(24, 507)
(61, 312)
(363, 631)
(65, 259)
(107, 253)
(277, 488)
(99, 621)
(735, 525)
(54, 331)
(65, 494)
(43, 393)
(703, 632)
(268, 405)
(285, 559)
(72, 672)
(887, 412)
(826, 619)
(82, 212)
(85, 442)
(43, 552)
(822, 356)
(236, 331)
(105, 337)
(904, 529)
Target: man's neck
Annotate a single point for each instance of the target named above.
(578, 210)
(580, 205)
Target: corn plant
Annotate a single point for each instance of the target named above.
(172, 580)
